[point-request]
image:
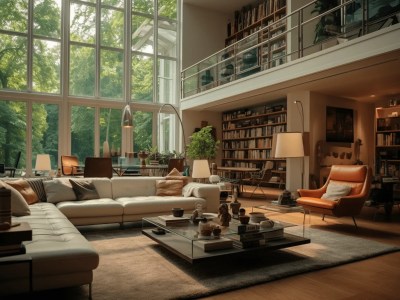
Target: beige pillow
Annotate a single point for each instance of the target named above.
(336, 191)
(169, 187)
(58, 191)
(19, 207)
(25, 189)
(176, 175)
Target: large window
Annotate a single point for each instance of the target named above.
(75, 64)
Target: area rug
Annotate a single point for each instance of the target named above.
(133, 266)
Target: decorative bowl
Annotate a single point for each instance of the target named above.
(177, 212)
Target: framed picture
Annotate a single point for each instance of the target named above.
(339, 125)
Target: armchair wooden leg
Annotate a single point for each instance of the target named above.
(355, 224)
(323, 217)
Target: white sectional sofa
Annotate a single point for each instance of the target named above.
(61, 256)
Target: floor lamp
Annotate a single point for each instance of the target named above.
(289, 145)
(180, 121)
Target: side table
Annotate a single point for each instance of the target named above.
(12, 251)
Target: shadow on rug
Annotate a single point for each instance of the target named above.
(134, 267)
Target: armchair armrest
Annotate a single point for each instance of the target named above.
(312, 193)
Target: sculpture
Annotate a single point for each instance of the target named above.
(224, 215)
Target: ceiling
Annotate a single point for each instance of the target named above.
(222, 6)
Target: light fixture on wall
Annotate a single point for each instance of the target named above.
(43, 164)
(180, 122)
(126, 120)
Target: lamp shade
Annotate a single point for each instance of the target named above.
(289, 144)
(201, 169)
(126, 120)
(43, 162)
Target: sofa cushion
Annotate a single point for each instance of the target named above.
(336, 191)
(90, 208)
(84, 189)
(58, 190)
(169, 187)
(132, 187)
(19, 207)
(22, 186)
(37, 185)
(176, 175)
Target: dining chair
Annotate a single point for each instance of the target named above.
(98, 167)
(264, 175)
(70, 166)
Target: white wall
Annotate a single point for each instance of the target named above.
(203, 33)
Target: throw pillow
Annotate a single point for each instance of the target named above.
(19, 207)
(176, 175)
(58, 191)
(169, 187)
(84, 189)
(22, 186)
(37, 185)
(336, 191)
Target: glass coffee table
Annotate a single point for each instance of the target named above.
(182, 240)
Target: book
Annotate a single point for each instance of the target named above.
(215, 244)
(243, 228)
(171, 220)
(249, 244)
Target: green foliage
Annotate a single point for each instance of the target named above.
(202, 144)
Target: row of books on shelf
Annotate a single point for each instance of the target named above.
(387, 139)
(266, 109)
(254, 132)
(247, 154)
(241, 164)
(253, 143)
(263, 120)
(250, 14)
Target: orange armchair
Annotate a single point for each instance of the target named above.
(356, 177)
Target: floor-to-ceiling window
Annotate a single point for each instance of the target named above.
(68, 67)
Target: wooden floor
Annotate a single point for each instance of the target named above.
(374, 278)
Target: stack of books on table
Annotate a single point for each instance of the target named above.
(11, 249)
(253, 237)
(170, 220)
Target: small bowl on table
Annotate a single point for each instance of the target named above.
(177, 212)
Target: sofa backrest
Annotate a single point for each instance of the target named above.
(102, 184)
(132, 187)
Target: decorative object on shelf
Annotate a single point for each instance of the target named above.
(235, 205)
(224, 215)
(143, 156)
(207, 78)
(43, 164)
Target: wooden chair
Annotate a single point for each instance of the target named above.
(98, 167)
(357, 177)
(70, 166)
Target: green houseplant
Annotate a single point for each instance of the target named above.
(202, 144)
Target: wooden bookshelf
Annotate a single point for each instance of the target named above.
(247, 138)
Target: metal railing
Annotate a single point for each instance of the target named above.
(289, 38)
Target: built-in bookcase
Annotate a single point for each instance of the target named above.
(247, 138)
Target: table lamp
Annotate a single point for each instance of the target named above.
(201, 169)
(42, 164)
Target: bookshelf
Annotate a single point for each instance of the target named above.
(264, 15)
(247, 138)
(387, 141)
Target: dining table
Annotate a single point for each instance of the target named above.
(123, 169)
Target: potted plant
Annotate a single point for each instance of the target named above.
(154, 155)
(203, 144)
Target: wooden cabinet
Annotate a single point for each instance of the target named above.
(387, 141)
(247, 138)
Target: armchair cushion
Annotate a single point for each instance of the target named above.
(336, 191)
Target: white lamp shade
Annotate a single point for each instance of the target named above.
(126, 120)
(201, 169)
(43, 162)
(289, 144)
